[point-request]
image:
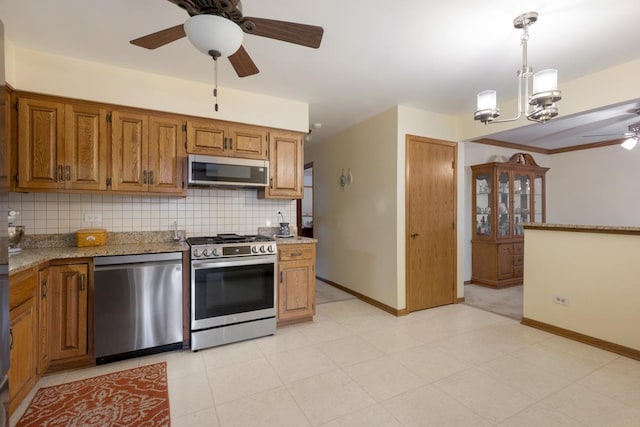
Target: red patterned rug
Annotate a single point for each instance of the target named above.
(135, 397)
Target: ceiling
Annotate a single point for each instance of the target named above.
(374, 54)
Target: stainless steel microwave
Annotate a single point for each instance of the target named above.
(227, 171)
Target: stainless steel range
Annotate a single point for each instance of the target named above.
(232, 289)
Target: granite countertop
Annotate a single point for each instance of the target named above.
(295, 240)
(610, 229)
(42, 248)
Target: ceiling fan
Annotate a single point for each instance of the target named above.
(630, 138)
(223, 20)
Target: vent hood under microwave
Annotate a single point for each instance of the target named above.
(227, 171)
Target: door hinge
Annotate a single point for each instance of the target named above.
(184, 127)
(453, 165)
(183, 185)
(185, 145)
(83, 282)
(17, 106)
(17, 179)
(108, 117)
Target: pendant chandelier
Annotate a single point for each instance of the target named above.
(540, 105)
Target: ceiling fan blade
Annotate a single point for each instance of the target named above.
(243, 64)
(619, 135)
(160, 38)
(302, 34)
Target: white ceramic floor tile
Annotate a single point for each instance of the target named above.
(537, 415)
(284, 339)
(524, 377)
(374, 416)
(508, 337)
(189, 394)
(82, 374)
(429, 363)
(468, 349)
(205, 418)
(428, 406)
(329, 396)
(390, 340)
(349, 350)
(328, 330)
(620, 380)
(230, 354)
(591, 354)
(485, 395)
(242, 379)
(426, 331)
(273, 408)
(299, 363)
(180, 363)
(367, 322)
(384, 378)
(590, 407)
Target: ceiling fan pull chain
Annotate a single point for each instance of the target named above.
(215, 81)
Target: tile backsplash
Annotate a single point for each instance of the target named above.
(203, 212)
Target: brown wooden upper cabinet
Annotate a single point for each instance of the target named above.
(147, 153)
(286, 166)
(224, 139)
(505, 195)
(61, 145)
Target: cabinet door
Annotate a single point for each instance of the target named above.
(69, 302)
(22, 373)
(129, 152)
(248, 142)
(40, 144)
(206, 138)
(86, 164)
(505, 261)
(285, 166)
(296, 290)
(166, 155)
(44, 311)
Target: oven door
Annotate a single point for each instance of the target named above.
(232, 290)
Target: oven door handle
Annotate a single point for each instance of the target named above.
(232, 263)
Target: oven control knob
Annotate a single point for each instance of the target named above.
(254, 249)
(216, 252)
(262, 249)
(206, 252)
(196, 253)
(270, 248)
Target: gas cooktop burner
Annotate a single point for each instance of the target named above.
(227, 238)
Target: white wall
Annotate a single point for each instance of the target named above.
(41, 72)
(356, 225)
(598, 274)
(600, 186)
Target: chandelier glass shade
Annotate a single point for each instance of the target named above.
(540, 105)
(213, 35)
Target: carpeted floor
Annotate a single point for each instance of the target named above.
(507, 301)
(326, 293)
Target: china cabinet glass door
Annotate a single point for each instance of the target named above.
(521, 200)
(503, 205)
(483, 198)
(537, 200)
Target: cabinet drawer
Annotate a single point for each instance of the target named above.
(23, 286)
(295, 252)
(518, 249)
(518, 260)
(518, 271)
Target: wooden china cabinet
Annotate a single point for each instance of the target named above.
(505, 195)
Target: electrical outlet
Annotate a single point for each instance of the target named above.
(92, 217)
(562, 300)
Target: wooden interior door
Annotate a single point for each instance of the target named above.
(430, 223)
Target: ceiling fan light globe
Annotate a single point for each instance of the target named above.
(213, 33)
(629, 143)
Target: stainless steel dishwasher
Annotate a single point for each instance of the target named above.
(137, 305)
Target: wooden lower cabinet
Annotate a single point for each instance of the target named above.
(44, 311)
(23, 321)
(497, 265)
(296, 283)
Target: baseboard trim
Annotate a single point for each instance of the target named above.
(586, 339)
(459, 300)
(368, 300)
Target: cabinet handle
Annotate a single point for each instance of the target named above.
(224, 143)
(230, 143)
(83, 282)
(144, 177)
(296, 253)
(414, 235)
(44, 289)
(10, 338)
(281, 277)
(59, 173)
(67, 173)
(150, 177)
(271, 183)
